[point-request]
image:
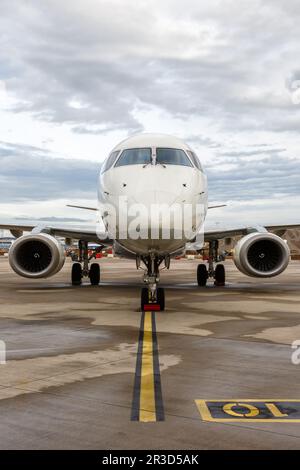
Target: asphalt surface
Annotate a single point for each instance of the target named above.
(71, 378)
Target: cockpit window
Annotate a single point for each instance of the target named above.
(110, 161)
(134, 157)
(172, 157)
(195, 159)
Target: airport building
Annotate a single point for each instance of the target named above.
(5, 244)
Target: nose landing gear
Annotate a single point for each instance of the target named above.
(217, 273)
(83, 268)
(152, 296)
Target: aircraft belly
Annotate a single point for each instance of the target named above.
(141, 246)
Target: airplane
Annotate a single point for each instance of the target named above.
(147, 169)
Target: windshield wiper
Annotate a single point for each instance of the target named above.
(161, 163)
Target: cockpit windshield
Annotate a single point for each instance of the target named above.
(171, 156)
(195, 159)
(110, 161)
(137, 156)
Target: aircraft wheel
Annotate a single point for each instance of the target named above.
(202, 275)
(220, 275)
(94, 274)
(144, 297)
(161, 297)
(76, 274)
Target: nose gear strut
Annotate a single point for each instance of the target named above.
(152, 296)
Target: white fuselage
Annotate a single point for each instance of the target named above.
(130, 187)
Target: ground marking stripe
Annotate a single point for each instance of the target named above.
(160, 415)
(277, 415)
(135, 411)
(147, 395)
(147, 403)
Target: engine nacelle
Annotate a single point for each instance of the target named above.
(36, 255)
(261, 254)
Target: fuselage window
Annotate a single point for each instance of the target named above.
(140, 156)
(195, 159)
(172, 157)
(110, 161)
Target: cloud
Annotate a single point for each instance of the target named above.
(266, 211)
(223, 74)
(251, 152)
(31, 173)
(229, 61)
(242, 178)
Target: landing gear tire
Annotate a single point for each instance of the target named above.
(144, 298)
(220, 275)
(202, 275)
(76, 274)
(94, 274)
(160, 295)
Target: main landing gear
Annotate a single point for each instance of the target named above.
(83, 267)
(217, 273)
(152, 296)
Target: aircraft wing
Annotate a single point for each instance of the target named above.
(82, 231)
(89, 232)
(217, 233)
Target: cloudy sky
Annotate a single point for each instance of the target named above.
(77, 76)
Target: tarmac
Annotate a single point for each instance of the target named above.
(86, 369)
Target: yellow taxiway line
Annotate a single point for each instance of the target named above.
(147, 405)
(147, 395)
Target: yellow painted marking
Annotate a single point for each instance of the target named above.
(275, 411)
(147, 395)
(253, 411)
(268, 402)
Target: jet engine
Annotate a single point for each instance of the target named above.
(36, 255)
(261, 254)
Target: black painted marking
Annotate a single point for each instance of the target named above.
(135, 409)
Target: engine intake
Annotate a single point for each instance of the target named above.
(36, 256)
(261, 254)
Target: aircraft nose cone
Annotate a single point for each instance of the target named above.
(154, 196)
